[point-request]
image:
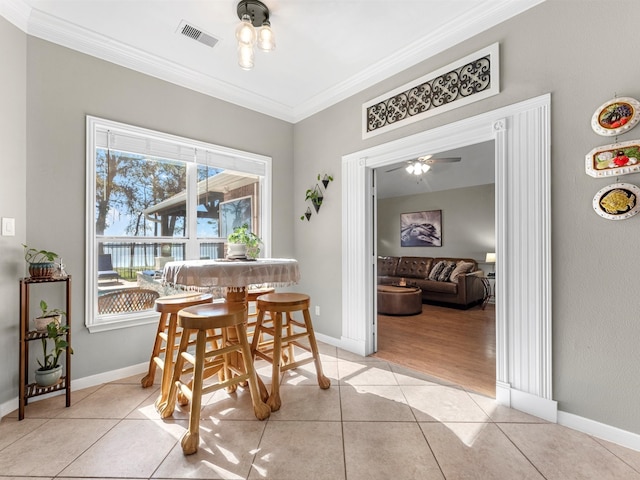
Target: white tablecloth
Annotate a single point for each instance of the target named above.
(204, 274)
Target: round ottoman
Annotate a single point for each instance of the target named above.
(394, 300)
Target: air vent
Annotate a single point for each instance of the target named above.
(188, 30)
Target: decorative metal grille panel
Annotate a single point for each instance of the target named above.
(468, 80)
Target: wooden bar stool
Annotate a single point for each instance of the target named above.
(277, 304)
(210, 323)
(252, 296)
(167, 338)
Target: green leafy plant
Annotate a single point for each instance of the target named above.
(306, 215)
(55, 333)
(325, 179)
(243, 235)
(315, 195)
(49, 313)
(33, 255)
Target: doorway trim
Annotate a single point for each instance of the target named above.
(521, 133)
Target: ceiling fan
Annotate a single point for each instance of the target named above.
(423, 164)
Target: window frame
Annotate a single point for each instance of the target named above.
(202, 153)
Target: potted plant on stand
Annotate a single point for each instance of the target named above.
(41, 262)
(47, 316)
(50, 369)
(243, 243)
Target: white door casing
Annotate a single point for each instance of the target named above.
(521, 133)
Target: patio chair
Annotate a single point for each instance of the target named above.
(105, 268)
(127, 300)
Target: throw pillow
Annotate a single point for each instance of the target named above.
(436, 270)
(446, 272)
(461, 268)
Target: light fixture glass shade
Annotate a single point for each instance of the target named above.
(266, 39)
(245, 56)
(246, 32)
(490, 258)
(409, 168)
(425, 168)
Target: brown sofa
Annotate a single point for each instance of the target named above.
(466, 291)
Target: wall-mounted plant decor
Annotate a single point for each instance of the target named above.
(325, 180)
(316, 195)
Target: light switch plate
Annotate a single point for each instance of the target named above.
(8, 227)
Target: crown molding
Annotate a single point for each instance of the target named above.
(47, 27)
(16, 12)
(52, 29)
(481, 18)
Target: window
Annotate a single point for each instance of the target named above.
(154, 198)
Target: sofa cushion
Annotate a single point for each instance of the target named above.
(414, 267)
(438, 287)
(437, 270)
(462, 268)
(387, 266)
(446, 272)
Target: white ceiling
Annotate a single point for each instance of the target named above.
(476, 167)
(326, 50)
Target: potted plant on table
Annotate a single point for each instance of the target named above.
(243, 243)
(41, 262)
(50, 369)
(47, 316)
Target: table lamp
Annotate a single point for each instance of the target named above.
(491, 258)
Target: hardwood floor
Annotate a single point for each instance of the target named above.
(455, 345)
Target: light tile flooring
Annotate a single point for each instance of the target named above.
(377, 421)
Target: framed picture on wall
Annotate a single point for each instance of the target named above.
(234, 213)
(421, 229)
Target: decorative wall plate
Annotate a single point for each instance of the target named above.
(618, 201)
(613, 160)
(616, 116)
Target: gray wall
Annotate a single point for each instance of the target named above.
(59, 99)
(63, 87)
(468, 223)
(13, 156)
(555, 47)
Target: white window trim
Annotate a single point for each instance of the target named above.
(206, 153)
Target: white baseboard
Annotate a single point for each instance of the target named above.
(111, 376)
(534, 405)
(600, 430)
(503, 394)
(321, 337)
(525, 402)
(81, 383)
(355, 346)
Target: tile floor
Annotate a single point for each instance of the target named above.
(377, 421)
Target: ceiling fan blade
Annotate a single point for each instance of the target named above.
(443, 160)
(396, 168)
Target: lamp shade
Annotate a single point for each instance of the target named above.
(490, 258)
(246, 32)
(245, 56)
(266, 39)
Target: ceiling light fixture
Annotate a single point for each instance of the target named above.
(418, 168)
(253, 14)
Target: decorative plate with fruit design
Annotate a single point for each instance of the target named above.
(616, 116)
(613, 160)
(617, 202)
